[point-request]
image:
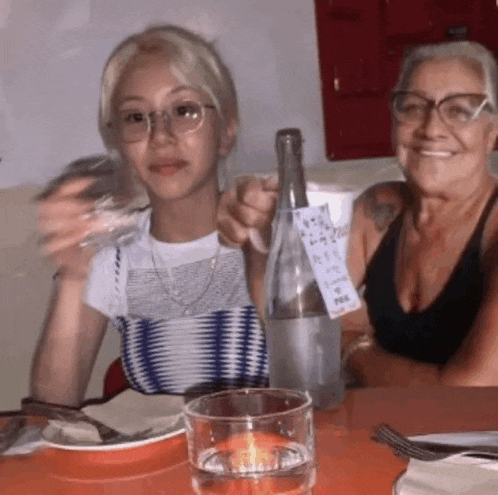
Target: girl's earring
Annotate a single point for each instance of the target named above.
(115, 156)
(228, 136)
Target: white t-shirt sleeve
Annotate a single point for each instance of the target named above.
(102, 290)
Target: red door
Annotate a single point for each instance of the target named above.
(360, 46)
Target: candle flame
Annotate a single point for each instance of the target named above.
(249, 455)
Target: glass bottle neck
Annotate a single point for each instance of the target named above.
(290, 171)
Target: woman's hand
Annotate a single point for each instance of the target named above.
(66, 220)
(246, 212)
(374, 367)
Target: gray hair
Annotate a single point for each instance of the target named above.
(192, 60)
(473, 52)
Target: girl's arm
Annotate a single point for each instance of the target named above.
(68, 346)
(73, 331)
(244, 219)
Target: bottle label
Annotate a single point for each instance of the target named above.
(320, 241)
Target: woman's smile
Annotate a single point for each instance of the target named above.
(432, 153)
(438, 154)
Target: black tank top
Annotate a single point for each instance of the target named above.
(435, 334)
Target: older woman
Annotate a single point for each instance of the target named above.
(426, 250)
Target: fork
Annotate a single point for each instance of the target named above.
(428, 451)
(10, 432)
(107, 434)
(68, 414)
(114, 440)
(32, 408)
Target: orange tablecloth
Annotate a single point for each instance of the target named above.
(349, 462)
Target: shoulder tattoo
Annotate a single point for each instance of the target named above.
(381, 213)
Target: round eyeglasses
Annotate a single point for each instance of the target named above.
(181, 117)
(457, 110)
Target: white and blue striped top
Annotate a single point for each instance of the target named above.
(164, 350)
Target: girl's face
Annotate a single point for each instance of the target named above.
(172, 166)
(433, 154)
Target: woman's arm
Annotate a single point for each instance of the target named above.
(68, 347)
(374, 211)
(374, 367)
(476, 362)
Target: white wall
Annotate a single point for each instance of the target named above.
(54, 51)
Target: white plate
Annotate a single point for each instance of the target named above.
(396, 484)
(178, 429)
(461, 438)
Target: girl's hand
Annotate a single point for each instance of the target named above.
(245, 213)
(66, 220)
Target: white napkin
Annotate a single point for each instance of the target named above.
(455, 475)
(132, 412)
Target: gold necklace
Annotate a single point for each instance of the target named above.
(173, 294)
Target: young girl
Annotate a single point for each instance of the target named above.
(180, 300)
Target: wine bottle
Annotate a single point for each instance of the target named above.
(303, 342)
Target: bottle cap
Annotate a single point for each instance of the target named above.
(288, 140)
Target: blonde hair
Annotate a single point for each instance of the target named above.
(471, 51)
(191, 58)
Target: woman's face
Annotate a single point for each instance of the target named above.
(172, 166)
(436, 156)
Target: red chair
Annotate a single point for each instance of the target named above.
(114, 380)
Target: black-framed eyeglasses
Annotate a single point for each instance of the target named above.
(180, 117)
(457, 110)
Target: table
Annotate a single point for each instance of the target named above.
(349, 462)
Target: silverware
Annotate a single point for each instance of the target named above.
(64, 439)
(428, 451)
(10, 432)
(16, 429)
(107, 434)
(63, 413)
(16, 423)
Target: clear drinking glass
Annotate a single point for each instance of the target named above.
(251, 441)
(114, 194)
